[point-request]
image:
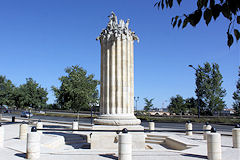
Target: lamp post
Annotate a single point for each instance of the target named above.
(91, 114)
(92, 108)
(136, 99)
(198, 104)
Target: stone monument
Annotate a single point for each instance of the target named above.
(117, 86)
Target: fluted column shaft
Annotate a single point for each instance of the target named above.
(117, 76)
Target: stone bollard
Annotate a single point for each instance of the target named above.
(39, 126)
(207, 126)
(23, 129)
(0, 116)
(1, 136)
(214, 151)
(188, 126)
(151, 126)
(75, 125)
(236, 136)
(33, 144)
(125, 145)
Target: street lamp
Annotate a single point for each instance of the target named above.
(92, 105)
(193, 67)
(91, 114)
(198, 104)
(136, 99)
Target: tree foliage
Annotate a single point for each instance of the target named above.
(208, 9)
(209, 88)
(26, 95)
(78, 90)
(148, 104)
(180, 106)
(236, 96)
(18, 98)
(191, 106)
(177, 105)
(31, 94)
(6, 91)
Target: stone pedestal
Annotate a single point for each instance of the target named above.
(117, 120)
(109, 140)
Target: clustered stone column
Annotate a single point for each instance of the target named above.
(117, 74)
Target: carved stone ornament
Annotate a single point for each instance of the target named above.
(117, 29)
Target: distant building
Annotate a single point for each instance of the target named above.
(160, 112)
(224, 112)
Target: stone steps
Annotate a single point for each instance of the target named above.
(155, 139)
(155, 135)
(74, 139)
(154, 142)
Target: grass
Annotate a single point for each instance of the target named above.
(64, 115)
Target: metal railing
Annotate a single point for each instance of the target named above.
(118, 131)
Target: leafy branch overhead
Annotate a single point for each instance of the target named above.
(208, 9)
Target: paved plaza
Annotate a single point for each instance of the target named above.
(55, 146)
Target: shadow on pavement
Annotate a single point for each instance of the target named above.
(111, 156)
(54, 126)
(195, 156)
(22, 155)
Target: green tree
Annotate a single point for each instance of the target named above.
(148, 104)
(6, 91)
(209, 88)
(31, 95)
(191, 106)
(177, 105)
(78, 90)
(236, 97)
(18, 97)
(208, 9)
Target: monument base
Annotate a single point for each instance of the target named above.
(117, 120)
(109, 140)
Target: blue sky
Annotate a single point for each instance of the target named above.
(39, 39)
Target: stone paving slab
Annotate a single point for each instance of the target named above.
(14, 148)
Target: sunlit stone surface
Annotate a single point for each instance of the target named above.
(117, 74)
